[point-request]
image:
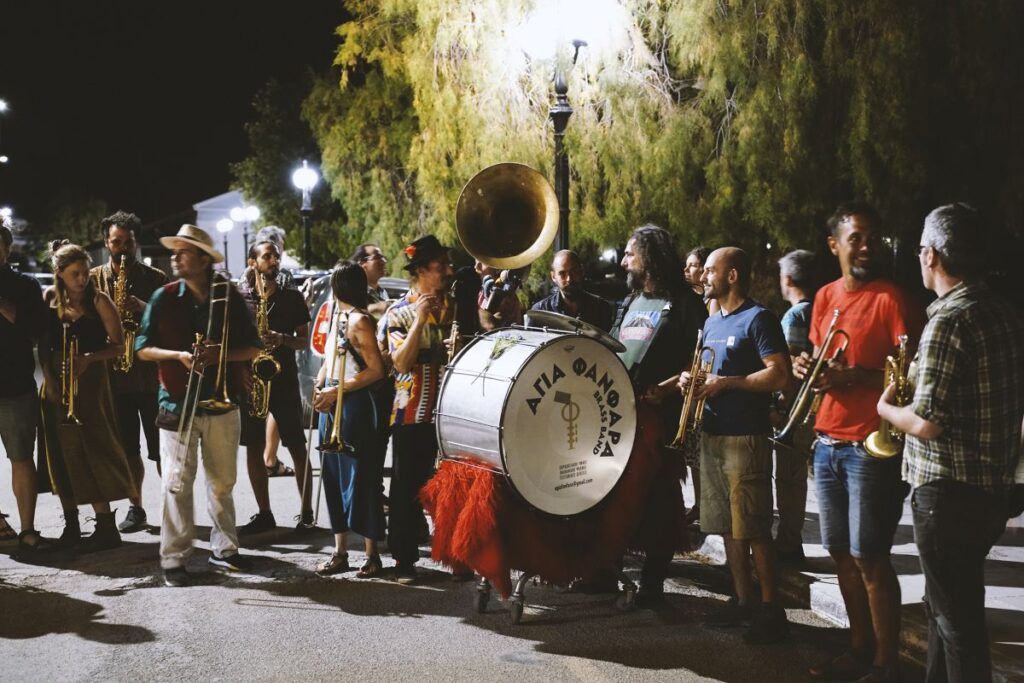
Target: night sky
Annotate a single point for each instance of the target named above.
(140, 103)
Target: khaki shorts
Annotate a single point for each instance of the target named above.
(736, 486)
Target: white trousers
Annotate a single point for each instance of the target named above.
(218, 435)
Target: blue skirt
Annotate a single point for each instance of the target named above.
(353, 481)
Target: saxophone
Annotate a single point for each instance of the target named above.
(129, 324)
(264, 366)
(888, 440)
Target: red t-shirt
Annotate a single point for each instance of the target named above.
(874, 316)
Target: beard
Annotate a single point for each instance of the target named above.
(635, 280)
(863, 273)
(572, 292)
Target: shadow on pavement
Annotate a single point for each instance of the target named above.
(44, 612)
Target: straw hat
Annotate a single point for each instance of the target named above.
(193, 236)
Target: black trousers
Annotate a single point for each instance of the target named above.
(130, 408)
(413, 451)
(955, 526)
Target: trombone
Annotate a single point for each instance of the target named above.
(888, 440)
(454, 338)
(699, 370)
(806, 403)
(193, 387)
(68, 380)
(335, 444)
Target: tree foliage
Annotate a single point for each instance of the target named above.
(279, 139)
(726, 121)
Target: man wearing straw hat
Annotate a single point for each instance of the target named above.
(176, 313)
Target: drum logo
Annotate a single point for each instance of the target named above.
(570, 412)
(605, 400)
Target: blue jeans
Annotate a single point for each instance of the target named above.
(860, 498)
(955, 525)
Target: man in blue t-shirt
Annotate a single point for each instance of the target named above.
(751, 361)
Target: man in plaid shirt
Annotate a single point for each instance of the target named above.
(963, 432)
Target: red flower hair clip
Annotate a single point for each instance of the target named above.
(410, 251)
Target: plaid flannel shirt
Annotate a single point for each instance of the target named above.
(970, 381)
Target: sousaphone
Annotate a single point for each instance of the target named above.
(507, 216)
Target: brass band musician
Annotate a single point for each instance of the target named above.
(135, 388)
(288, 325)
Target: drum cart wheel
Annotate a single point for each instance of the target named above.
(626, 600)
(517, 600)
(483, 595)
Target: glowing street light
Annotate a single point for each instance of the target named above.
(224, 226)
(305, 179)
(547, 34)
(3, 106)
(245, 215)
(4, 158)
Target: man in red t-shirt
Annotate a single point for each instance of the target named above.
(860, 497)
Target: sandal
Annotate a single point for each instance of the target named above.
(38, 544)
(336, 565)
(848, 666)
(372, 568)
(280, 470)
(7, 533)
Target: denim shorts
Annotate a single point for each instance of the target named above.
(860, 498)
(18, 418)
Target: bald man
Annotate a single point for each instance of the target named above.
(751, 362)
(569, 297)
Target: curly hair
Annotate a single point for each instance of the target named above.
(657, 252)
(122, 219)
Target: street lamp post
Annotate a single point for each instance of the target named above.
(224, 226)
(245, 215)
(305, 179)
(560, 113)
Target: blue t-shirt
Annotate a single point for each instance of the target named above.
(796, 324)
(740, 340)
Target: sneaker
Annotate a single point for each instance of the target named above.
(232, 563)
(405, 574)
(732, 613)
(177, 577)
(259, 523)
(134, 521)
(304, 522)
(768, 626)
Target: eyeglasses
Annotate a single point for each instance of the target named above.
(922, 247)
(374, 257)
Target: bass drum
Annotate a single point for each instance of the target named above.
(554, 412)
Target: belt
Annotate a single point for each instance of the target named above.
(826, 440)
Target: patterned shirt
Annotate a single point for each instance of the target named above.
(416, 391)
(969, 382)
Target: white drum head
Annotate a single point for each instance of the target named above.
(568, 425)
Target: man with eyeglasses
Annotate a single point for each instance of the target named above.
(134, 390)
(963, 430)
(373, 262)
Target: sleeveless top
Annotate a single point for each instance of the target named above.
(88, 329)
(353, 361)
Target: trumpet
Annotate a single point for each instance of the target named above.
(191, 401)
(123, 363)
(806, 403)
(68, 380)
(335, 444)
(264, 366)
(888, 441)
(699, 370)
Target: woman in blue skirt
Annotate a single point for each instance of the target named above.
(352, 477)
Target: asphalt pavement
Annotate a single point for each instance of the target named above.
(108, 616)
